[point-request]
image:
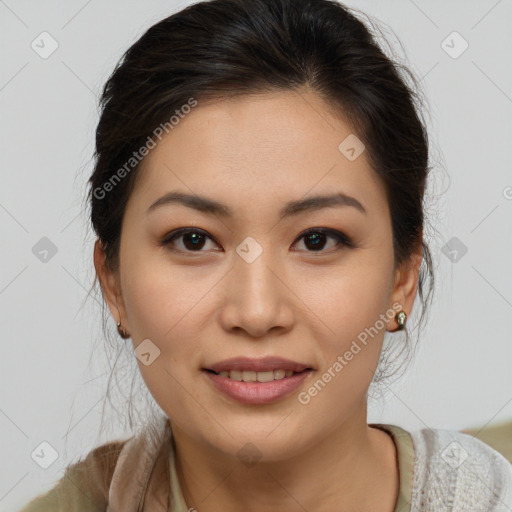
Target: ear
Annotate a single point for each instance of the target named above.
(406, 285)
(110, 286)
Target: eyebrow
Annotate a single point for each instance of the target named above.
(206, 205)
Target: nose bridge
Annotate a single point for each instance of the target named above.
(253, 278)
(256, 298)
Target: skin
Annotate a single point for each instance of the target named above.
(255, 153)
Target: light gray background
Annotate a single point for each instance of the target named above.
(461, 376)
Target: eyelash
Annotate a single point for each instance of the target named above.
(342, 239)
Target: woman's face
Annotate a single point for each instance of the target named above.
(245, 280)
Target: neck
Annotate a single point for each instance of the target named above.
(353, 468)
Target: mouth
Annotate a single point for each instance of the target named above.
(257, 381)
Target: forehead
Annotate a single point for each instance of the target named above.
(263, 147)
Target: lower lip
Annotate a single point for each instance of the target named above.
(258, 392)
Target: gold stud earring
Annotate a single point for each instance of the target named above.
(401, 318)
(122, 332)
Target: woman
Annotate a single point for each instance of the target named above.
(258, 202)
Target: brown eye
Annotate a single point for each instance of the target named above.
(192, 240)
(315, 239)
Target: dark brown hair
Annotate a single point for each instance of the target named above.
(224, 48)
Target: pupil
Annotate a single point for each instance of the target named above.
(316, 239)
(195, 238)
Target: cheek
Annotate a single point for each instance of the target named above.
(160, 297)
(351, 297)
(162, 305)
(163, 308)
(354, 308)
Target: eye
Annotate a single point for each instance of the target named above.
(315, 239)
(193, 240)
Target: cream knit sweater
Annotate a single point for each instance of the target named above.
(455, 472)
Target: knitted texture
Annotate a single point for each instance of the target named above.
(455, 472)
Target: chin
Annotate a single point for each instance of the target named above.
(267, 439)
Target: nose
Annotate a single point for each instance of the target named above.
(258, 300)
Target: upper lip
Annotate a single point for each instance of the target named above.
(264, 364)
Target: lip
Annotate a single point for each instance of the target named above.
(258, 392)
(258, 365)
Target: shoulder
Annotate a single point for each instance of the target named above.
(143, 468)
(497, 435)
(85, 484)
(455, 468)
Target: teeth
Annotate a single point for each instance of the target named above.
(248, 376)
(264, 376)
(279, 374)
